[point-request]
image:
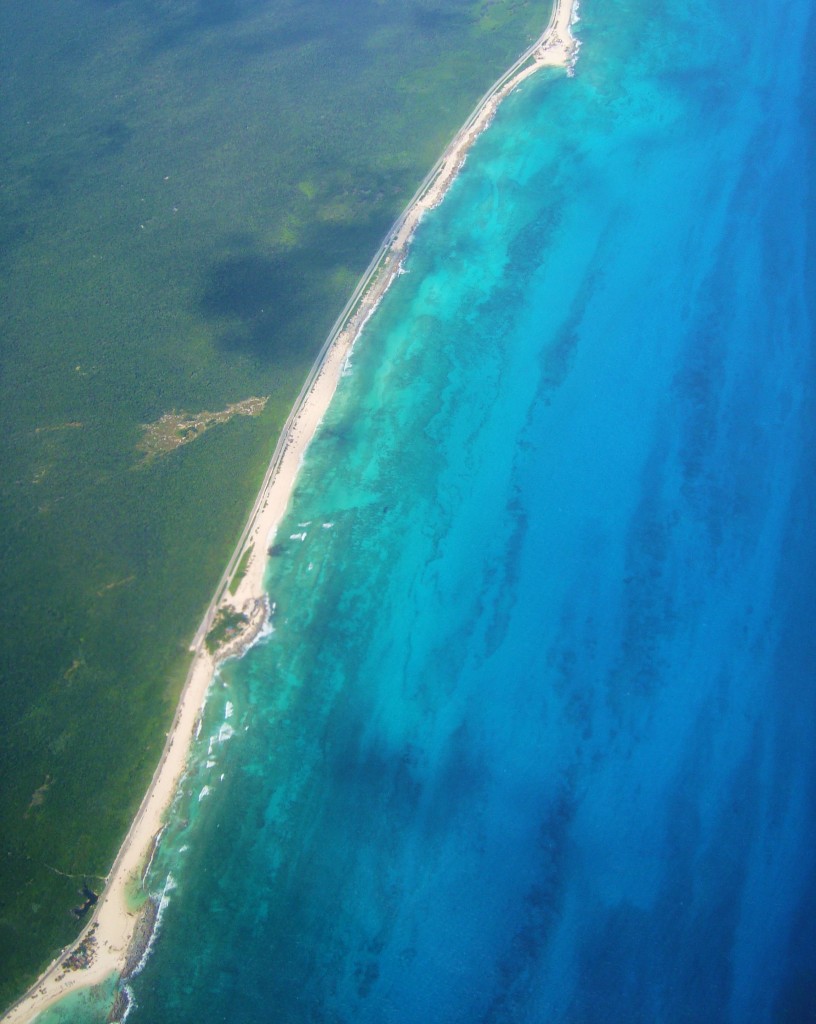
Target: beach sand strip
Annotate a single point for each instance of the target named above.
(103, 947)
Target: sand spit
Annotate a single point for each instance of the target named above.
(114, 938)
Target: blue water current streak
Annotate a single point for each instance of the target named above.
(533, 738)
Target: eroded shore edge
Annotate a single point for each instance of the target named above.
(116, 936)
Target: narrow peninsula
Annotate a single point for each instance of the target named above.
(117, 933)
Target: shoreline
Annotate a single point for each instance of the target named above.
(104, 946)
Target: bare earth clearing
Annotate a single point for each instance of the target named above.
(174, 429)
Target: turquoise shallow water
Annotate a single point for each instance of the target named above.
(532, 738)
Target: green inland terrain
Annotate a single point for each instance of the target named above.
(190, 191)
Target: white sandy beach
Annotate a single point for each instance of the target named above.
(107, 937)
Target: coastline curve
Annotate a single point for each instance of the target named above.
(106, 943)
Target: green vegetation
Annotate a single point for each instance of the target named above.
(227, 624)
(240, 570)
(190, 192)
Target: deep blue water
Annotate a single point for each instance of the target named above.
(533, 739)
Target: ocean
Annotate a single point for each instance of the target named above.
(532, 739)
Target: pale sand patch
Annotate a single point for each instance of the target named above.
(112, 926)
